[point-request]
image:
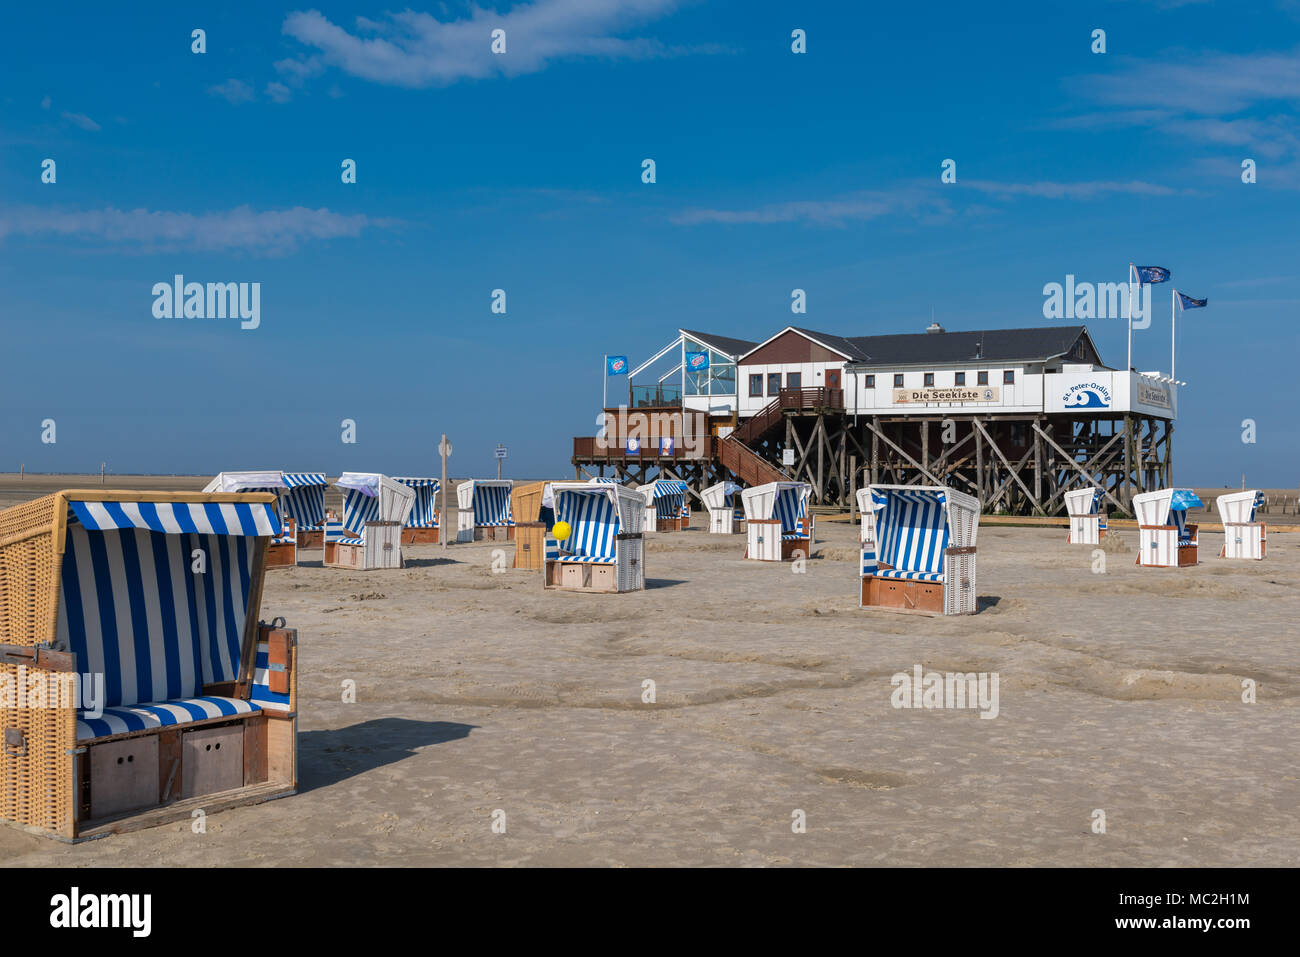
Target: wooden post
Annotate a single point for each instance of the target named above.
(875, 450)
(925, 443)
(853, 487)
(1038, 468)
(979, 462)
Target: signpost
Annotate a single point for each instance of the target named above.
(444, 450)
(501, 456)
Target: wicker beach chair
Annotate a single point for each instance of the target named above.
(422, 525)
(483, 511)
(665, 505)
(1243, 537)
(922, 556)
(1165, 538)
(725, 514)
(137, 614)
(1087, 519)
(605, 548)
(375, 507)
(778, 522)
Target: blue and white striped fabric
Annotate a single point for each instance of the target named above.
(160, 714)
(210, 518)
(670, 499)
(1179, 516)
(1256, 505)
(261, 694)
(288, 536)
(912, 531)
(909, 576)
(133, 607)
(304, 499)
(869, 563)
(492, 505)
(359, 508)
(593, 522)
(336, 533)
(789, 507)
(424, 513)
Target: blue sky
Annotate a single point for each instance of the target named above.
(522, 172)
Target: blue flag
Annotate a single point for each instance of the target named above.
(697, 361)
(615, 365)
(1187, 302)
(1151, 274)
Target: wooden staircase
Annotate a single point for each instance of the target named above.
(745, 464)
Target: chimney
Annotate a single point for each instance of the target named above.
(934, 327)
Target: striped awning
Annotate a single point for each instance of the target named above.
(173, 518)
(1183, 499)
(918, 497)
(416, 482)
(300, 479)
(669, 489)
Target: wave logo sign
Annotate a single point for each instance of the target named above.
(1087, 395)
(697, 361)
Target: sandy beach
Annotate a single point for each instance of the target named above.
(477, 691)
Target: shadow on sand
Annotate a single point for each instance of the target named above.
(329, 756)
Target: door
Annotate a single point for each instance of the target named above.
(832, 378)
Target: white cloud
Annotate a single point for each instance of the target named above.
(82, 120)
(45, 102)
(243, 227)
(1085, 189)
(278, 92)
(415, 50)
(233, 91)
(837, 211)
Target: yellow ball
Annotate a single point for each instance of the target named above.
(561, 530)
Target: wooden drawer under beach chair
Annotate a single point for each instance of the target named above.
(283, 550)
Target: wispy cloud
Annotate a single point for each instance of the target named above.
(917, 201)
(268, 231)
(233, 91)
(278, 92)
(416, 50)
(82, 120)
(1085, 189)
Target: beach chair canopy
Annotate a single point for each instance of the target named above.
(914, 524)
(488, 499)
(721, 496)
(786, 501)
(1239, 506)
(154, 594)
(667, 495)
(301, 494)
(596, 513)
(372, 497)
(1083, 501)
(424, 511)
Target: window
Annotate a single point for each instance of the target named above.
(898, 380)
(756, 385)
(1009, 377)
(929, 379)
(871, 382)
(774, 384)
(959, 379)
(982, 378)
(793, 380)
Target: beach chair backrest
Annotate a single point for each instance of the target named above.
(303, 499)
(491, 504)
(359, 508)
(669, 496)
(372, 497)
(154, 595)
(424, 510)
(593, 519)
(790, 506)
(911, 528)
(335, 531)
(1239, 507)
(1082, 501)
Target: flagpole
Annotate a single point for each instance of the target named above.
(604, 386)
(1129, 367)
(1173, 341)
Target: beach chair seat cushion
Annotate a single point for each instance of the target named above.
(906, 575)
(794, 537)
(501, 524)
(160, 714)
(350, 541)
(564, 559)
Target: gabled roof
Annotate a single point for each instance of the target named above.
(723, 344)
(990, 345)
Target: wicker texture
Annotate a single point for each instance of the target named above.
(36, 788)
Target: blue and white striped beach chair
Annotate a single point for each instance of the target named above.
(483, 510)
(423, 523)
(922, 557)
(604, 550)
(778, 523)
(370, 534)
(153, 597)
(665, 505)
(300, 495)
